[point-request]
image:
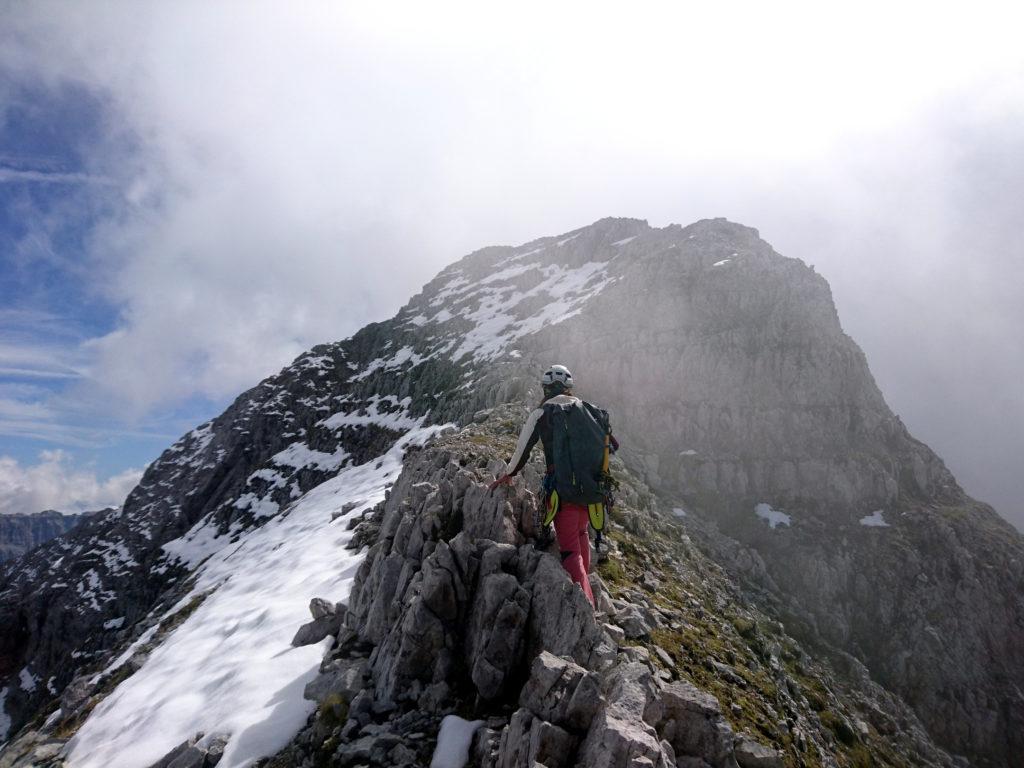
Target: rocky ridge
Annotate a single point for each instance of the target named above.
(461, 607)
(739, 399)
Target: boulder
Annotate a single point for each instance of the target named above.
(184, 751)
(751, 754)
(528, 741)
(691, 720)
(562, 692)
(319, 608)
(317, 630)
(633, 623)
(562, 620)
(495, 636)
(75, 695)
(621, 734)
(615, 741)
(341, 677)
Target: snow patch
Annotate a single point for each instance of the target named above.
(508, 274)
(395, 418)
(90, 590)
(300, 455)
(321, 362)
(259, 506)
(452, 288)
(495, 326)
(114, 623)
(625, 240)
(397, 360)
(679, 512)
(530, 252)
(453, 740)
(230, 667)
(275, 479)
(721, 263)
(565, 240)
(874, 520)
(773, 516)
(27, 680)
(201, 541)
(144, 638)
(688, 452)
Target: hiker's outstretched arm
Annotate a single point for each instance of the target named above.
(528, 437)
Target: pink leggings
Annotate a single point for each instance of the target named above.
(571, 530)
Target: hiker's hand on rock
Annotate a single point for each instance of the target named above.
(503, 480)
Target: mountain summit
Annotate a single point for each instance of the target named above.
(822, 574)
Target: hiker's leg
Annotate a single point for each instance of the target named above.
(567, 531)
(584, 534)
(583, 523)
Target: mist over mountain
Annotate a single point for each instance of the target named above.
(794, 579)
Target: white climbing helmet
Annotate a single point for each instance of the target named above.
(557, 374)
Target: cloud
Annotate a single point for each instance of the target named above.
(53, 484)
(270, 181)
(39, 359)
(281, 179)
(14, 176)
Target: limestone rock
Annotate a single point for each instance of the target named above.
(320, 608)
(496, 632)
(528, 741)
(691, 720)
(317, 630)
(342, 677)
(621, 734)
(562, 692)
(751, 754)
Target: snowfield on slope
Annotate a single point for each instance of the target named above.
(230, 668)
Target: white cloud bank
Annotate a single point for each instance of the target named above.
(280, 178)
(53, 483)
(274, 167)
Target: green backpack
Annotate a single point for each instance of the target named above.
(580, 439)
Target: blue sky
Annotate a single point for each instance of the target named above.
(190, 196)
(52, 196)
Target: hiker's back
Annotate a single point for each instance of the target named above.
(579, 443)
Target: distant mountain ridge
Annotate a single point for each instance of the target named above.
(738, 397)
(21, 532)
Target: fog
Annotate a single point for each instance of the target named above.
(275, 178)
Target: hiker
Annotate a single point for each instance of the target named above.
(574, 435)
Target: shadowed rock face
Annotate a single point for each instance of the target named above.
(731, 384)
(736, 386)
(20, 533)
(730, 378)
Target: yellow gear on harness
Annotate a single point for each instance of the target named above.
(552, 508)
(594, 511)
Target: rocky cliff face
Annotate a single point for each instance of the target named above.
(20, 533)
(460, 607)
(739, 399)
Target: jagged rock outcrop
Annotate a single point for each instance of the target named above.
(539, 669)
(20, 533)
